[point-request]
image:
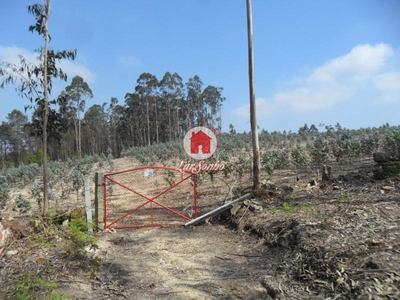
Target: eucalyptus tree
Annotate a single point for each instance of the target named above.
(171, 91)
(212, 98)
(146, 89)
(35, 81)
(131, 131)
(95, 128)
(5, 141)
(76, 95)
(17, 121)
(115, 116)
(194, 101)
(56, 130)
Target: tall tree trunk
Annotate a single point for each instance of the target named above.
(148, 123)
(3, 156)
(46, 111)
(253, 110)
(177, 123)
(169, 121)
(79, 136)
(76, 134)
(155, 108)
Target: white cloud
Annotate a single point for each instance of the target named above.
(339, 79)
(72, 69)
(387, 81)
(263, 107)
(362, 59)
(129, 61)
(366, 74)
(11, 54)
(306, 98)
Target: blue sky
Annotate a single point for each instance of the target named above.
(316, 61)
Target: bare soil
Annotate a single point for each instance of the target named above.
(311, 240)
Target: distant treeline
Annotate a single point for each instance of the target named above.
(157, 111)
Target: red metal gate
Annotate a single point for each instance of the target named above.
(148, 197)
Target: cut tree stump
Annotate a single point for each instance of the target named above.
(326, 173)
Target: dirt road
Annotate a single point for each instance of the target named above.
(205, 262)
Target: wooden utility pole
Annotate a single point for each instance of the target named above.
(253, 110)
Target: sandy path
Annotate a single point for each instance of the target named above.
(205, 262)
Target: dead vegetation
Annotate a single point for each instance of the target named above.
(336, 240)
(296, 238)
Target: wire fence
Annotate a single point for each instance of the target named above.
(149, 197)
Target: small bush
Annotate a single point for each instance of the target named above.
(274, 160)
(4, 192)
(78, 237)
(391, 143)
(299, 157)
(22, 205)
(319, 151)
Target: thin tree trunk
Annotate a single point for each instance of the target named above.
(148, 123)
(46, 111)
(76, 134)
(79, 133)
(155, 108)
(169, 121)
(3, 156)
(253, 110)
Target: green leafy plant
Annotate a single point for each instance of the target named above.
(391, 142)
(345, 148)
(287, 207)
(78, 175)
(274, 160)
(33, 287)
(369, 144)
(307, 206)
(346, 197)
(299, 157)
(22, 205)
(78, 237)
(4, 192)
(37, 193)
(268, 162)
(242, 166)
(319, 150)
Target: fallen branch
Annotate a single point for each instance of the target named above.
(218, 210)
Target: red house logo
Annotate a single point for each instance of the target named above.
(200, 143)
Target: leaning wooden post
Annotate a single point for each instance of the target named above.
(99, 201)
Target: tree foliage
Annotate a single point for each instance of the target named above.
(35, 80)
